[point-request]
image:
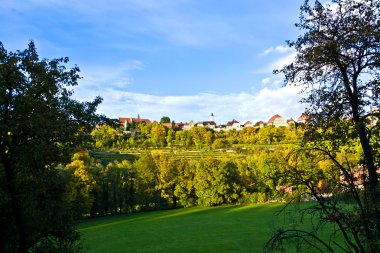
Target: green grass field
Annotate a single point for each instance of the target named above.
(198, 229)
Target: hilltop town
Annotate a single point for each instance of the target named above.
(276, 120)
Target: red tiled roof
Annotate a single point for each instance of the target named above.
(230, 123)
(303, 117)
(272, 119)
(136, 120)
(290, 120)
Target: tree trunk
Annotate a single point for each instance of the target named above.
(15, 206)
(371, 188)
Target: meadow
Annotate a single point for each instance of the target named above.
(214, 229)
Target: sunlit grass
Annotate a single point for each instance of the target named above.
(198, 229)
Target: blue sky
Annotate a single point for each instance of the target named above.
(184, 59)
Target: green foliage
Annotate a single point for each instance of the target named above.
(216, 182)
(121, 193)
(158, 135)
(220, 144)
(184, 189)
(82, 184)
(147, 181)
(105, 136)
(159, 180)
(170, 138)
(164, 119)
(337, 65)
(40, 125)
(146, 136)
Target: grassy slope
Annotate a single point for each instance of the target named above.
(219, 229)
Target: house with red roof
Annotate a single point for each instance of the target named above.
(290, 121)
(248, 124)
(130, 121)
(303, 118)
(277, 121)
(168, 125)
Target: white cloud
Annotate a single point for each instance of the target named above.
(283, 61)
(272, 82)
(275, 61)
(266, 81)
(104, 76)
(278, 63)
(278, 49)
(241, 106)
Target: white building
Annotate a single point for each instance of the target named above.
(277, 121)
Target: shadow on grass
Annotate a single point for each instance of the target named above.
(192, 212)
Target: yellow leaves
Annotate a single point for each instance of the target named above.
(83, 175)
(324, 164)
(82, 155)
(74, 165)
(81, 172)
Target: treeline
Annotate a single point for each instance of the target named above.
(153, 135)
(157, 181)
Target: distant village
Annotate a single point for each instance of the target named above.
(276, 120)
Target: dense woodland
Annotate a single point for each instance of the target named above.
(185, 168)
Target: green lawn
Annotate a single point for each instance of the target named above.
(198, 229)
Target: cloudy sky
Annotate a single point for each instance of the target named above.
(184, 59)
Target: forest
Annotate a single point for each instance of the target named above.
(159, 168)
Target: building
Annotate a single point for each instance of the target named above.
(134, 120)
(188, 126)
(167, 125)
(131, 121)
(277, 121)
(248, 124)
(208, 124)
(303, 118)
(290, 121)
(232, 124)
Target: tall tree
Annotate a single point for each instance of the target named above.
(337, 65)
(40, 124)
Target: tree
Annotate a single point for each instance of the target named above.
(337, 65)
(147, 181)
(81, 190)
(184, 188)
(168, 176)
(121, 189)
(40, 125)
(105, 136)
(197, 135)
(170, 137)
(165, 119)
(216, 182)
(158, 135)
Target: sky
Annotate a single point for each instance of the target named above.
(184, 59)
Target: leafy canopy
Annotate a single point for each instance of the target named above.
(40, 124)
